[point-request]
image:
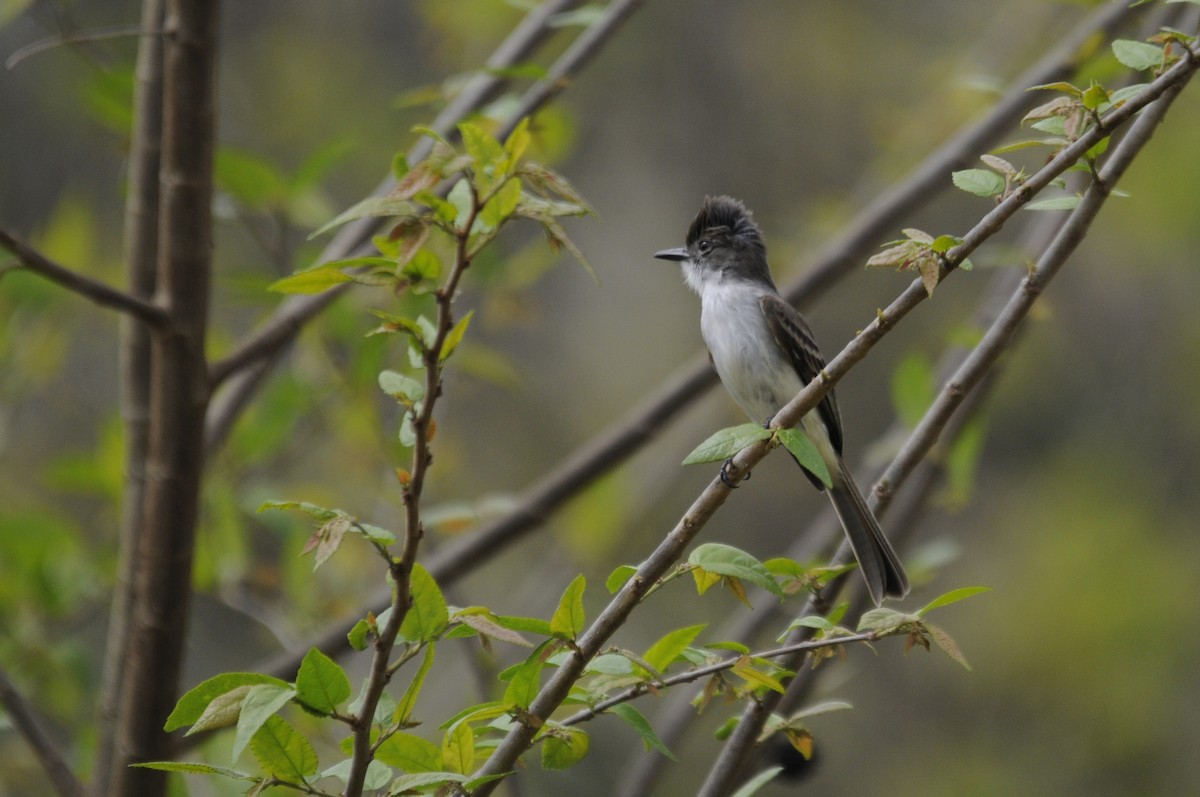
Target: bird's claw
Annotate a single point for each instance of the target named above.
(726, 478)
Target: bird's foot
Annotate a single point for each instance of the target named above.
(726, 479)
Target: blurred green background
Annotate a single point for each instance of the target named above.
(1083, 515)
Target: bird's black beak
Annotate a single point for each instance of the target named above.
(678, 254)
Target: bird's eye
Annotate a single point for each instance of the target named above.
(705, 246)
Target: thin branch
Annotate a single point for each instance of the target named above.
(93, 290)
(641, 424)
(27, 723)
(690, 676)
(729, 763)
(97, 35)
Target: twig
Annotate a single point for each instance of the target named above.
(634, 692)
(91, 289)
(742, 740)
(26, 721)
(97, 35)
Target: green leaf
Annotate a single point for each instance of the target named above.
(194, 768)
(357, 637)
(953, 596)
(757, 782)
(283, 752)
(532, 625)
(525, 682)
(663, 653)
(1137, 55)
(912, 388)
(406, 784)
(249, 179)
(639, 723)
(805, 452)
(725, 443)
(378, 774)
(518, 140)
(404, 708)
(568, 619)
(313, 280)
(732, 562)
(428, 616)
(487, 153)
(1054, 203)
(980, 182)
(502, 204)
(373, 207)
(318, 513)
(458, 748)
(222, 712)
(195, 701)
(321, 684)
(423, 268)
(617, 578)
(883, 620)
(455, 336)
(813, 621)
(479, 713)
(403, 388)
(563, 747)
(259, 705)
(410, 753)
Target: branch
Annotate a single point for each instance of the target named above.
(26, 721)
(141, 256)
(179, 395)
(640, 425)
(93, 290)
(634, 692)
(974, 368)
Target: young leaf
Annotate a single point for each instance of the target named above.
(378, 774)
(745, 669)
(526, 678)
(222, 712)
(532, 625)
(639, 723)
(421, 781)
(563, 747)
(1137, 55)
(980, 182)
(502, 204)
(725, 443)
(313, 280)
(458, 748)
(732, 562)
(404, 707)
(480, 145)
(195, 769)
(485, 624)
(953, 596)
(805, 452)
(259, 705)
(195, 701)
(321, 684)
(394, 204)
(617, 578)
(409, 753)
(883, 620)
(668, 648)
(947, 645)
(517, 142)
(568, 619)
(755, 783)
(283, 752)
(428, 616)
(455, 336)
(357, 636)
(1054, 203)
(403, 388)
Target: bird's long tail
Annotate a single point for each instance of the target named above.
(877, 559)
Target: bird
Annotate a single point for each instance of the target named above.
(764, 352)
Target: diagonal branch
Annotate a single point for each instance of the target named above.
(92, 289)
(727, 766)
(27, 723)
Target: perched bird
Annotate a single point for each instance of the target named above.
(765, 354)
